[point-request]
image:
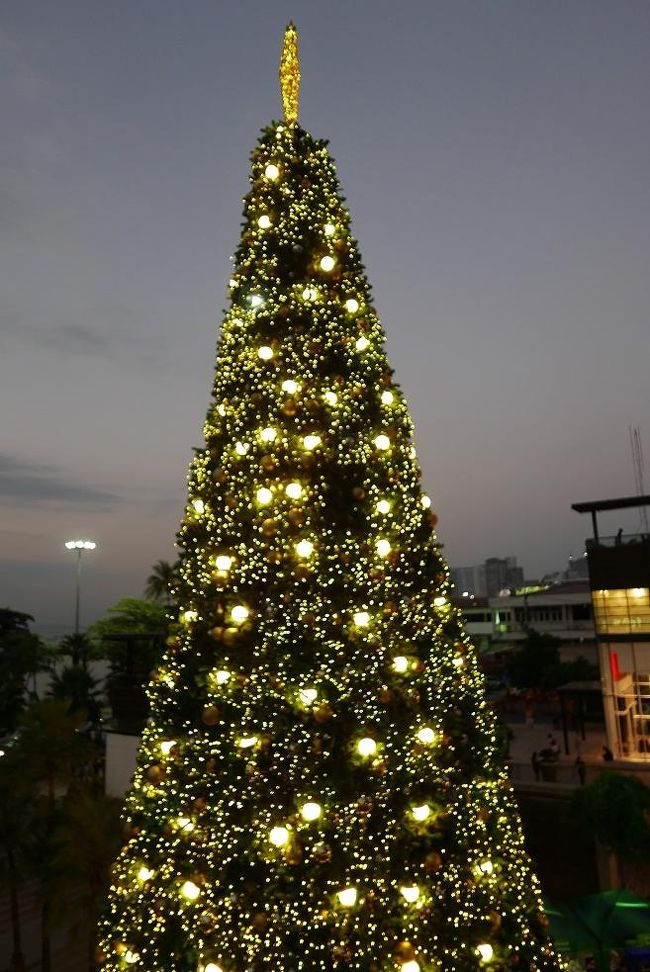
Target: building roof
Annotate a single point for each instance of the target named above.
(595, 506)
(566, 587)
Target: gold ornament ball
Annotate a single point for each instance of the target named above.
(359, 493)
(323, 713)
(432, 519)
(230, 501)
(296, 517)
(220, 476)
(217, 633)
(260, 921)
(230, 636)
(404, 951)
(386, 696)
(269, 463)
(269, 527)
(290, 407)
(155, 773)
(433, 861)
(210, 715)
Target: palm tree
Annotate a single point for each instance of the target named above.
(162, 578)
(79, 688)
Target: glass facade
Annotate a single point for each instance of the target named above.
(622, 611)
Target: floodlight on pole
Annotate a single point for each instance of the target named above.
(79, 546)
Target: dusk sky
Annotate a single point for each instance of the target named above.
(495, 157)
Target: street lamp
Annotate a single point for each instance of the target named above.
(79, 546)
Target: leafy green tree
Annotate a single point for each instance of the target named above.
(131, 637)
(79, 648)
(18, 796)
(162, 581)
(81, 690)
(615, 810)
(22, 654)
(87, 837)
(319, 786)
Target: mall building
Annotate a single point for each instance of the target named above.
(619, 578)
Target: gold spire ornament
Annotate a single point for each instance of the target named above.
(290, 74)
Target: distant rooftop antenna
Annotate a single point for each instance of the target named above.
(638, 464)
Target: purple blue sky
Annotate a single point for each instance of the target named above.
(495, 156)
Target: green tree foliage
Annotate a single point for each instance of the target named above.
(56, 826)
(79, 688)
(162, 581)
(87, 837)
(536, 664)
(615, 809)
(21, 654)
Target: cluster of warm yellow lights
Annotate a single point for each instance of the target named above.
(327, 263)
(367, 746)
(383, 547)
(311, 441)
(264, 496)
(361, 619)
(247, 742)
(265, 352)
(223, 562)
(310, 811)
(485, 951)
(426, 735)
(293, 490)
(239, 613)
(269, 434)
(304, 549)
(279, 836)
(347, 897)
(410, 893)
(382, 442)
(271, 172)
(421, 812)
(190, 890)
(290, 386)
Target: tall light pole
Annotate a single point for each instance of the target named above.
(79, 546)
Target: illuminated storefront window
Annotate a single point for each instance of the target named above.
(622, 611)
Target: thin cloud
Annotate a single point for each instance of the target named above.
(24, 483)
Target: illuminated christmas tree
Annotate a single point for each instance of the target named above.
(319, 786)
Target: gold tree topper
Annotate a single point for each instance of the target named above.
(290, 74)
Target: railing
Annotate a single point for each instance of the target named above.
(566, 773)
(620, 540)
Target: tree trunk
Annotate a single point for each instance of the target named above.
(46, 944)
(17, 958)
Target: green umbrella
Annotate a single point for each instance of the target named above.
(567, 931)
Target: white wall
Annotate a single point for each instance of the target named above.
(121, 753)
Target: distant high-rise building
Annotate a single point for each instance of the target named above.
(489, 578)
